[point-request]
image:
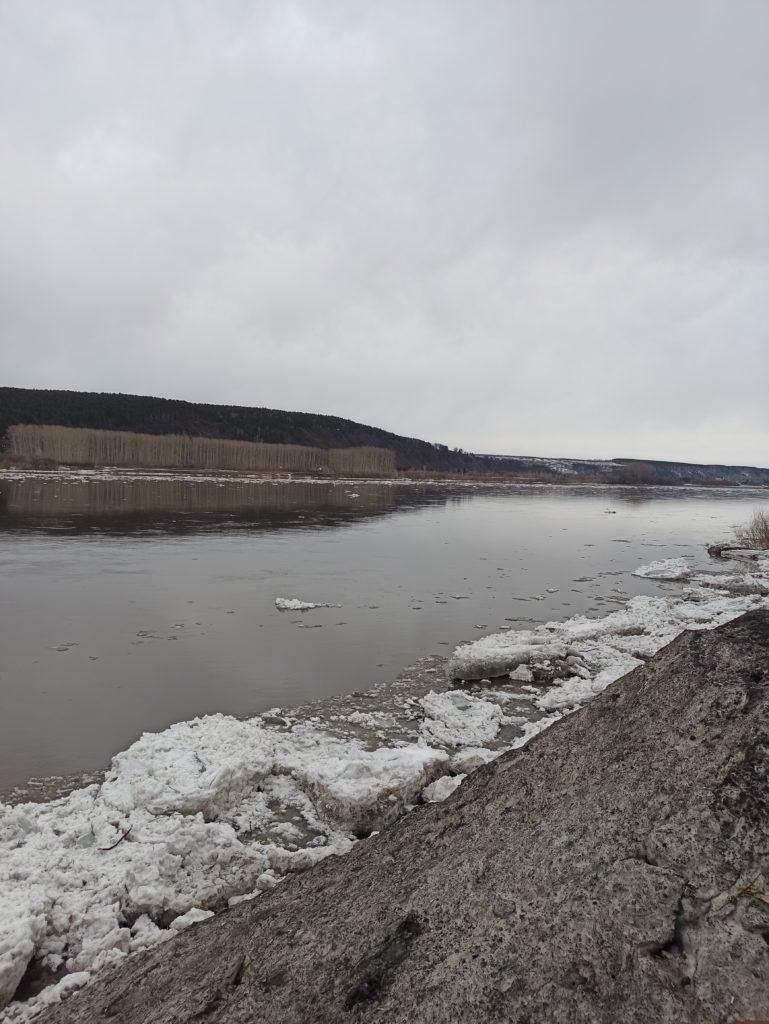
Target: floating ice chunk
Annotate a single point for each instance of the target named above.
(193, 915)
(499, 696)
(500, 653)
(726, 551)
(455, 719)
(606, 648)
(206, 765)
(372, 719)
(361, 789)
(74, 870)
(740, 584)
(665, 569)
(442, 788)
(293, 604)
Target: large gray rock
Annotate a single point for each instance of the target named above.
(613, 870)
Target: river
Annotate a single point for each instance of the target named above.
(129, 602)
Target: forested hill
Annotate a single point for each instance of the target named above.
(238, 423)
(145, 415)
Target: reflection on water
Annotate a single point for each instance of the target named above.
(178, 503)
(130, 603)
(136, 504)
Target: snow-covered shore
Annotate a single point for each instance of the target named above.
(216, 810)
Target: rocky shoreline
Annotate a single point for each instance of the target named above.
(615, 868)
(216, 812)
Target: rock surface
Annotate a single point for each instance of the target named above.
(615, 869)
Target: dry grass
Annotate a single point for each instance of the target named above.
(76, 447)
(756, 533)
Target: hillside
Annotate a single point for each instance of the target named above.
(161, 416)
(147, 415)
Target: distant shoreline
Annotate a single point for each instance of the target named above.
(406, 478)
(52, 427)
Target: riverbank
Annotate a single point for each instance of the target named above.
(19, 470)
(613, 870)
(216, 811)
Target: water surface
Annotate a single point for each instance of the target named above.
(127, 604)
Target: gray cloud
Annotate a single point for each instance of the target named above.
(534, 227)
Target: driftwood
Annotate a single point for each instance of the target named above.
(118, 841)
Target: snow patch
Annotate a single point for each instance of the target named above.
(471, 758)
(183, 921)
(456, 719)
(442, 788)
(184, 821)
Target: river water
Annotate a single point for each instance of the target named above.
(128, 603)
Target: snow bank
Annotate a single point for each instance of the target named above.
(581, 656)
(442, 788)
(356, 789)
(500, 653)
(185, 820)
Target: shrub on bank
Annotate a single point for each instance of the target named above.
(756, 533)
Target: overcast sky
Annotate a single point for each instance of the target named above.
(527, 226)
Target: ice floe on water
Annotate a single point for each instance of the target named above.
(576, 659)
(293, 604)
(215, 811)
(665, 569)
(185, 820)
(456, 719)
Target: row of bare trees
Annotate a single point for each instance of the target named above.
(77, 447)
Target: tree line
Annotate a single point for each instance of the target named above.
(82, 447)
(147, 415)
